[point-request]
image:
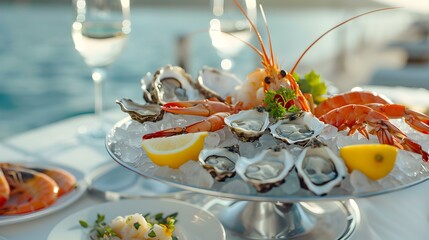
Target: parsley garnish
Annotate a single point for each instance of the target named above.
(276, 102)
(83, 224)
(102, 230)
(160, 219)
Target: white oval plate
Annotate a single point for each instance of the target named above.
(192, 223)
(61, 202)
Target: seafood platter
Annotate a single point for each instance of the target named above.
(296, 157)
(274, 135)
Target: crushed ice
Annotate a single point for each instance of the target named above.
(125, 141)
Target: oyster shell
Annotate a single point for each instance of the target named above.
(266, 170)
(219, 162)
(171, 83)
(212, 82)
(297, 128)
(248, 125)
(146, 86)
(320, 168)
(141, 112)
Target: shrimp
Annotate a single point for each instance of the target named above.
(268, 78)
(212, 123)
(357, 117)
(65, 180)
(4, 189)
(346, 98)
(30, 191)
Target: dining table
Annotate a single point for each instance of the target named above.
(402, 214)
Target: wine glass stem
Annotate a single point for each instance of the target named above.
(98, 76)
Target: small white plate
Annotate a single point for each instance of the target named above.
(61, 202)
(192, 223)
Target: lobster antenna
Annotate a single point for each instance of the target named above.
(336, 26)
(254, 29)
(268, 33)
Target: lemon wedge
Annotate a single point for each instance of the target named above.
(373, 160)
(175, 150)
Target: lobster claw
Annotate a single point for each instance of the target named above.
(212, 123)
(187, 108)
(197, 108)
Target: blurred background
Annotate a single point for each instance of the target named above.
(43, 79)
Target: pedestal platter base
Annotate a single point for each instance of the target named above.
(303, 220)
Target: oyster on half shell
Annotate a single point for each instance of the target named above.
(169, 84)
(141, 112)
(297, 128)
(266, 170)
(219, 162)
(248, 125)
(320, 168)
(212, 82)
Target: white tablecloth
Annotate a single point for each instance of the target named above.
(399, 215)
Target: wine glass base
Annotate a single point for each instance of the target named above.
(306, 220)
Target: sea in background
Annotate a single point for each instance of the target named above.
(44, 80)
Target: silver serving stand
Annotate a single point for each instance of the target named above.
(262, 216)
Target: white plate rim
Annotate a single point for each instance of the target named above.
(61, 202)
(69, 228)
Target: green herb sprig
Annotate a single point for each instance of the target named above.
(100, 228)
(275, 102)
(169, 221)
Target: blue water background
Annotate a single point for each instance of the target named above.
(43, 79)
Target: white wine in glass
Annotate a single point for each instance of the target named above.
(99, 34)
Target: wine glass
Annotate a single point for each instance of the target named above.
(228, 20)
(99, 34)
